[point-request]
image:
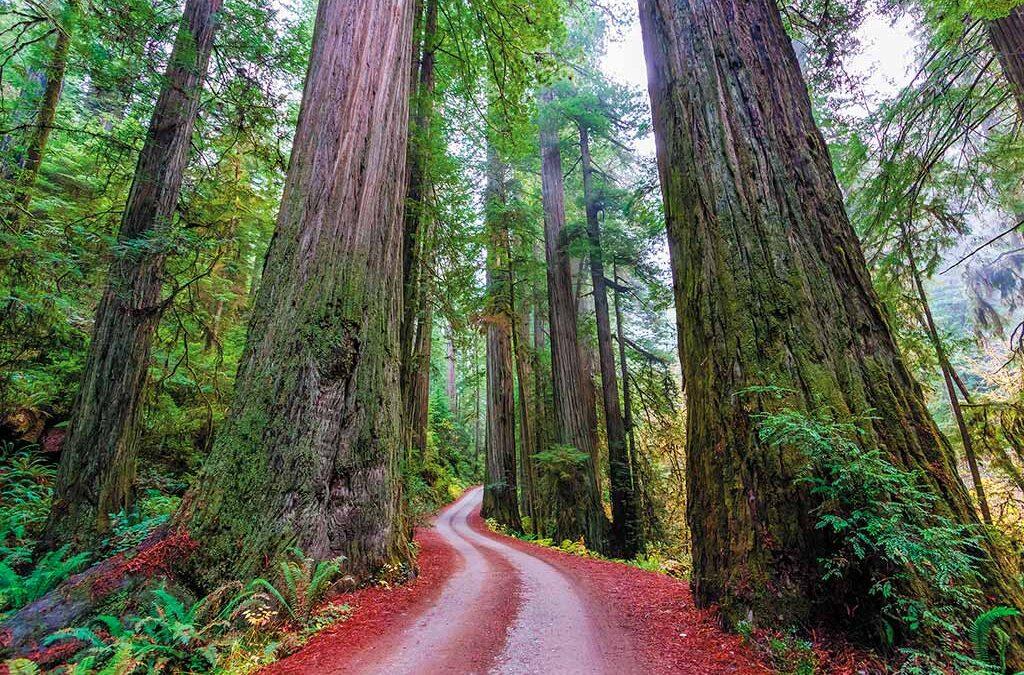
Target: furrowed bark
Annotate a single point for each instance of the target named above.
(420, 400)
(415, 237)
(624, 532)
(1007, 38)
(527, 406)
(541, 392)
(627, 397)
(309, 453)
(576, 502)
(97, 466)
(771, 288)
(501, 494)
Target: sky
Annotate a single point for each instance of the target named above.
(885, 60)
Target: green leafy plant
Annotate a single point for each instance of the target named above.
(173, 636)
(304, 583)
(18, 590)
(985, 630)
(883, 520)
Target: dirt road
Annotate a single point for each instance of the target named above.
(505, 606)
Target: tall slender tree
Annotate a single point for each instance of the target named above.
(45, 116)
(624, 532)
(416, 239)
(501, 493)
(97, 467)
(576, 502)
(771, 288)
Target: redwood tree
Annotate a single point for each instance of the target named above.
(97, 466)
(1007, 38)
(45, 116)
(576, 498)
(416, 236)
(771, 288)
(624, 531)
(308, 455)
(501, 499)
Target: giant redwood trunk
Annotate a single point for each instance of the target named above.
(624, 532)
(308, 455)
(97, 467)
(576, 498)
(501, 495)
(771, 289)
(1007, 38)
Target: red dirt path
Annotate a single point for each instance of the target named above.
(637, 621)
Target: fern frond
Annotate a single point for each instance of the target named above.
(983, 626)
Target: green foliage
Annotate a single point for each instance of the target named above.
(985, 629)
(21, 667)
(884, 521)
(25, 495)
(173, 635)
(303, 583)
(18, 590)
(559, 462)
(128, 530)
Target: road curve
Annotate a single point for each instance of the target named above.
(503, 611)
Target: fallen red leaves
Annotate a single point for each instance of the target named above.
(656, 610)
(377, 609)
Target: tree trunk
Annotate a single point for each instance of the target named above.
(527, 422)
(451, 388)
(416, 223)
(44, 120)
(97, 467)
(627, 403)
(576, 498)
(771, 289)
(501, 494)
(309, 453)
(420, 403)
(1007, 38)
(947, 378)
(624, 539)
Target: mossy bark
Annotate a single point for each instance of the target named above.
(501, 492)
(309, 453)
(97, 466)
(771, 288)
(576, 499)
(416, 237)
(1007, 38)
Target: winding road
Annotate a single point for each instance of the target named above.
(485, 603)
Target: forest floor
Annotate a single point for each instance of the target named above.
(484, 602)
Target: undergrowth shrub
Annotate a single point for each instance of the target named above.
(303, 584)
(173, 636)
(236, 629)
(884, 521)
(17, 590)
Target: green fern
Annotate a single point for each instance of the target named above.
(18, 590)
(983, 629)
(304, 583)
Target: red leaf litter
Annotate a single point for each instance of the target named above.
(377, 610)
(657, 611)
